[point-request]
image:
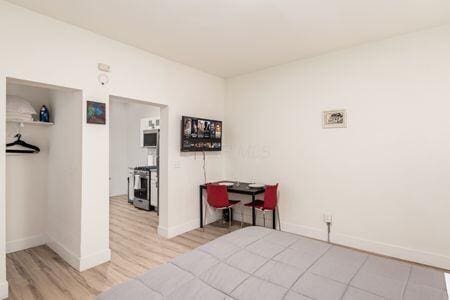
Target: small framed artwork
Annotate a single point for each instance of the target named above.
(95, 112)
(334, 118)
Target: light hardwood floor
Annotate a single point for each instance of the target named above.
(39, 273)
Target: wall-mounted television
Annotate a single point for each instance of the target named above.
(199, 134)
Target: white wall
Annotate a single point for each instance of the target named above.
(385, 177)
(26, 178)
(3, 282)
(42, 188)
(118, 161)
(125, 140)
(41, 49)
(136, 155)
(63, 227)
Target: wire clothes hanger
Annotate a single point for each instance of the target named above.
(19, 142)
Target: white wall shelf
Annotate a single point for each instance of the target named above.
(37, 123)
(19, 154)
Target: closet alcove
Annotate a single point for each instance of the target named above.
(43, 190)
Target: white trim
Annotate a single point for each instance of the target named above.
(3, 285)
(65, 254)
(95, 259)
(79, 263)
(180, 229)
(414, 255)
(4, 290)
(188, 226)
(25, 243)
(163, 231)
(311, 232)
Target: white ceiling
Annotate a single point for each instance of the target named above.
(232, 37)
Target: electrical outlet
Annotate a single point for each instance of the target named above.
(327, 218)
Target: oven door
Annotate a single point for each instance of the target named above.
(142, 193)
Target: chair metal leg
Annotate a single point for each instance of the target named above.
(206, 214)
(242, 213)
(229, 218)
(264, 217)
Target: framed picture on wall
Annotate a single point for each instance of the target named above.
(334, 118)
(95, 112)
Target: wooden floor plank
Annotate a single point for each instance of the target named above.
(39, 273)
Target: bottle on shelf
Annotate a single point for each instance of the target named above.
(44, 115)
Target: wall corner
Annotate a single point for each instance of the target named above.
(4, 290)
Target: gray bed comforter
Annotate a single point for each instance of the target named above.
(260, 263)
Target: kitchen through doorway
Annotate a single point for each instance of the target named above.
(135, 159)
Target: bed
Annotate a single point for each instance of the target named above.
(260, 263)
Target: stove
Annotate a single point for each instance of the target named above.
(145, 187)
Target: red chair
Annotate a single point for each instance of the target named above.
(217, 197)
(270, 203)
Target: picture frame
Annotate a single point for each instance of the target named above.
(334, 118)
(95, 113)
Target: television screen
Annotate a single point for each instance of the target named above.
(200, 134)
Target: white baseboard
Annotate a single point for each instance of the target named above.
(25, 243)
(118, 194)
(65, 254)
(80, 263)
(95, 259)
(4, 290)
(414, 255)
(180, 229)
(188, 226)
(163, 231)
(311, 232)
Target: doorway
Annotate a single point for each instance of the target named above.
(135, 151)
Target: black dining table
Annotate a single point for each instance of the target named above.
(237, 188)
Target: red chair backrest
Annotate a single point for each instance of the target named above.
(217, 195)
(271, 197)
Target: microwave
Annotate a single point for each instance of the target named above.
(150, 138)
